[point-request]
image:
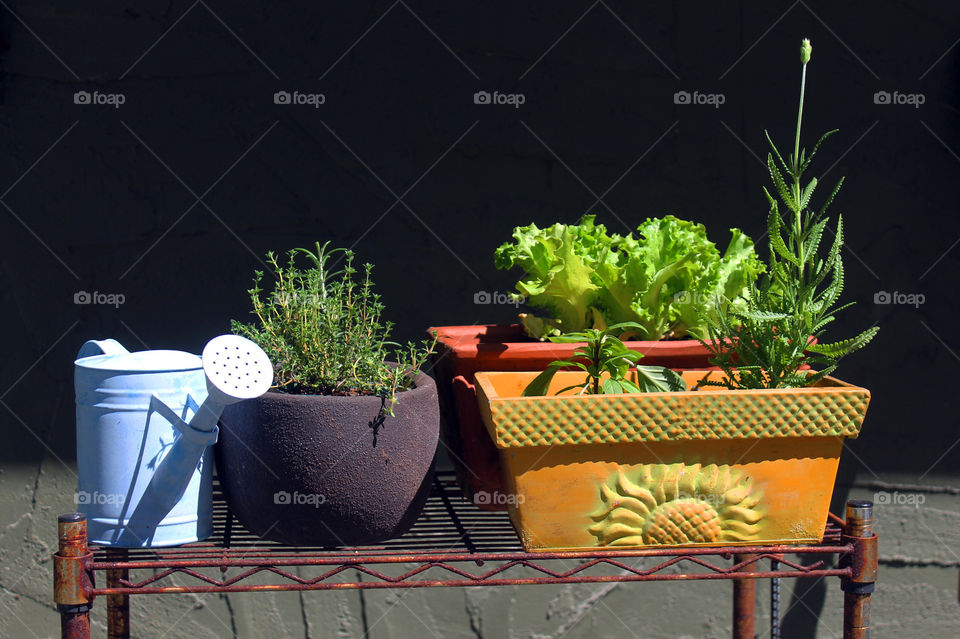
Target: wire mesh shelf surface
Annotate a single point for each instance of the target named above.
(453, 543)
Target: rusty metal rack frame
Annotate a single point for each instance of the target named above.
(452, 544)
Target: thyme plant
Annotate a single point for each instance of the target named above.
(791, 304)
(324, 332)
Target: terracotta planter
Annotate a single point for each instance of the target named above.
(696, 468)
(465, 350)
(318, 470)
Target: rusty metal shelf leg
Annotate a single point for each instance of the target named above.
(744, 598)
(72, 577)
(774, 601)
(858, 588)
(118, 606)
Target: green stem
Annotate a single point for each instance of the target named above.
(797, 222)
(796, 156)
(596, 362)
(796, 146)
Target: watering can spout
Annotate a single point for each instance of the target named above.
(172, 475)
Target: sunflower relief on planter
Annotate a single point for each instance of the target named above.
(667, 504)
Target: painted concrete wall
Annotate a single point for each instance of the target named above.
(170, 198)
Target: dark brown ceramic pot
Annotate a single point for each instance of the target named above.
(322, 470)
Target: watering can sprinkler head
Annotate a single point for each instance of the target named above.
(236, 369)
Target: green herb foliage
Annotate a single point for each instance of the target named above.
(663, 281)
(797, 297)
(324, 332)
(609, 366)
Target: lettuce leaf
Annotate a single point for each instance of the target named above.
(667, 279)
(560, 262)
(738, 267)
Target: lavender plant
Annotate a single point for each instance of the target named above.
(779, 332)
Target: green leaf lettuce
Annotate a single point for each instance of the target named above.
(666, 279)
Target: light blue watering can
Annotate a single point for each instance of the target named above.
(145, 468)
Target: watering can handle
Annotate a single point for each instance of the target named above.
(101, 347)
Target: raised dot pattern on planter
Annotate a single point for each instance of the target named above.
(827, 411)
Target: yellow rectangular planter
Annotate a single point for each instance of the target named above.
(695, 468)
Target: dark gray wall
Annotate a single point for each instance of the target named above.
(105, 199)
(106, 208)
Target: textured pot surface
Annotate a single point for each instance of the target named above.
(696, 468)
(465, 350)
(320, 470)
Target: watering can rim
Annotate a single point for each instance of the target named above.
(164, 361)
